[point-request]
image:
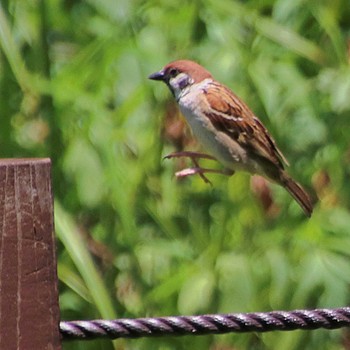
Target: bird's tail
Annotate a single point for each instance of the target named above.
(298, 193)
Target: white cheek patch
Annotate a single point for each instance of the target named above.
(180, 85)
(183, 81)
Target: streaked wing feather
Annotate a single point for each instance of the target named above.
(271, 141)
(230, 115)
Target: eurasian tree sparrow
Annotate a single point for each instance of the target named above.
(226, 128)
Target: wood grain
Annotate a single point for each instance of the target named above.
(29, 311)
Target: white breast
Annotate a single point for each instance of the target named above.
(218, 144)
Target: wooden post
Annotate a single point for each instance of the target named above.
(29, 311)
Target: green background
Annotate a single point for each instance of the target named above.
(132, 240)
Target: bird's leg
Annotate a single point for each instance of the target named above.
(191, 171)
(189, 154)
(201, 174)
(201, 171)
(194, 156)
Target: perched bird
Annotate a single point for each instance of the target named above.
(226, 128)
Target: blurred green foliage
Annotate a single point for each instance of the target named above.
(133, 241)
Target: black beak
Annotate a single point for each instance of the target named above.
(157, 76)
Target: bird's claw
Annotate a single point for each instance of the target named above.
(193, 171)
(189, 154)
(194, 156)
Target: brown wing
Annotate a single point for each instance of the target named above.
(232, 116)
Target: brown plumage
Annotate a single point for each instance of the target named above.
(227, 128)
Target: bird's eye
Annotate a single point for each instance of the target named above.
(173, 72)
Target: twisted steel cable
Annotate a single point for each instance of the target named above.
(207, 324)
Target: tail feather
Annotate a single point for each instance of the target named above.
(298, 193)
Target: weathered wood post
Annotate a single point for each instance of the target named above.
(29, 311)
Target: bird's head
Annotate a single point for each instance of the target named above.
(180, 75)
